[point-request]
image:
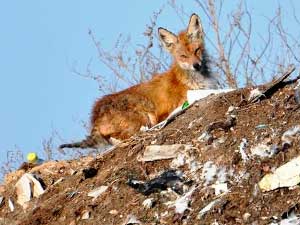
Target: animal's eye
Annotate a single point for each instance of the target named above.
(183, 56)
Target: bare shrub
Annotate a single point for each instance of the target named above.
(14, 158)
(239, 54)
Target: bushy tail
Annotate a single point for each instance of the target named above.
(89, 142)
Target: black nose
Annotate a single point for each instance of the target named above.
(197, 66)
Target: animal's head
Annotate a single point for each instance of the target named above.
(187, 47)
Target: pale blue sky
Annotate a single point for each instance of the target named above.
(41, 40)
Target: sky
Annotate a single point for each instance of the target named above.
(41, 41)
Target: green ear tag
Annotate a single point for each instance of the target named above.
(185, 105)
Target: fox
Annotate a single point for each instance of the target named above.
(121, 115)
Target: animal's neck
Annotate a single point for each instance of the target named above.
(195, 79)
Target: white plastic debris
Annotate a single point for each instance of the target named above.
(144, 128)
(220, 188)
(209, 172)
(243, 146)
(72, 172)
(287, 136)
(291, 220)
(182, 203)
(208, 208)
(11, 205)
(231, 109)
(131, 219)
(23, 189)
(114, 142)
(246, 216)
(204, 136)
(221, 175)
(194, 95)
(239, 175)
(213, 174)
(97, 192)
(297, 92)
(254, 94)
(1, 200)
(178, 161)
(187, 158)
(287, 175)
(148, 203)
(86, 214)
(261, 126)
(164, 214)
(160, 152)
(171, 116)
(58, 181)
(27, 187)
(193, 165)
(263, 150)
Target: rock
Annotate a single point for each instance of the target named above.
(287, 175)
(86, 214)
(113, 212)
(97, 192)
(27, 187)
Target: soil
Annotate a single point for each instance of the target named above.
(68, 183)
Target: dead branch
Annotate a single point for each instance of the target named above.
(273, 86)
(224, 61)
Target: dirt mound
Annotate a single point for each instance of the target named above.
(223, 147)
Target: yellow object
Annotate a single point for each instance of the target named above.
(32, 157)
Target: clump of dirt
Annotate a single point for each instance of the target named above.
(220, 154)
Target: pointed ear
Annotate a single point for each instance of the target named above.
(167, 38)
(195, 30)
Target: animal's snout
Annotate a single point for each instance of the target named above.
(197, 66)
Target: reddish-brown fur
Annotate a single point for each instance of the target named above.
(122, 114)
